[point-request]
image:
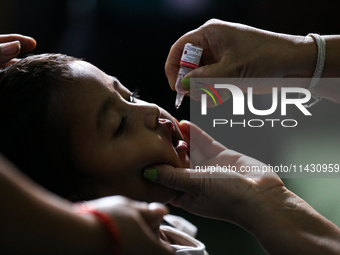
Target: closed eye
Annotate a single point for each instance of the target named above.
(122, 123)
(121, 127)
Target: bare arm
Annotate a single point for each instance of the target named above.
(285, 224)
(34, 221)
(239, 51)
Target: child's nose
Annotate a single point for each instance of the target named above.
(150, 113)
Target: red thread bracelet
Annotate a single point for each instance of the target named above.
(106, 221)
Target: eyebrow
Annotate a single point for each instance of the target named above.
(103, 109)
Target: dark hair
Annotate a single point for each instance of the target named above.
(33, 134)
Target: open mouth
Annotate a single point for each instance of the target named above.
(181, 146)
(176, 138)
(177, 142)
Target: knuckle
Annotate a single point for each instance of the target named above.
(122, 200)
(199, 185)
(212, 21)
(171, 181)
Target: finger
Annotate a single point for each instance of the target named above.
(139, 239)
(199, 144)
(197, 158)
(195, 155)
(184, 126)
(174, 57)
(182, 200)
(172, 64)
(153, 215)
(163, 249)
(200, 140)
(156, 246)
(168, 176)
(8, 51)
(27, 43)
(11, 62)
(214, 70)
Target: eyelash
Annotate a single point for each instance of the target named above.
(133, 96)
(120, 129)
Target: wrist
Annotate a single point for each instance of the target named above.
(258, 207)
(285, 224)
(269, 222)
(301, 57)
(267, 207)
(103, 233)
(96, 240)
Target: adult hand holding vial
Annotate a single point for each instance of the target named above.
(190, 60)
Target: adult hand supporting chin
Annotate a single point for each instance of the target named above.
(13, 44)
(259, 202)
(230, 196)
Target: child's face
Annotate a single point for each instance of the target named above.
(114, 138)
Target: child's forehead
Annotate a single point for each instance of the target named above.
(84, 74)
(82, 69)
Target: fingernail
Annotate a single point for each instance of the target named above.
(185, 82)
(11, 48)
(150, 173)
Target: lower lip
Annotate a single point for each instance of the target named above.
(181, 146)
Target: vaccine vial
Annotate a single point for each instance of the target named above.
(190, 60)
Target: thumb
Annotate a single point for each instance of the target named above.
(171, 177)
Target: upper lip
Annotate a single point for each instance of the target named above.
(173, 134)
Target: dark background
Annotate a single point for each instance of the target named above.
(130, 39)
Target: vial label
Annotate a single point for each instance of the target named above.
(191, 56)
